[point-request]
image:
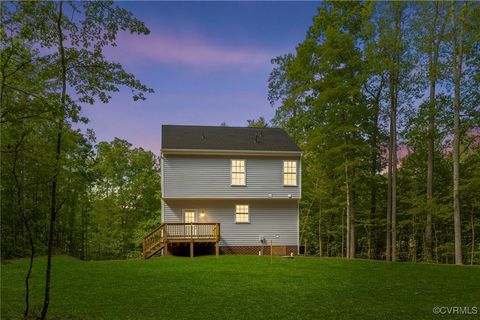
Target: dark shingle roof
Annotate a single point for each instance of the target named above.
(226, 138)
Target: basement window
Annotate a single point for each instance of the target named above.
(289, 173)
(238, 172)
(242, 213)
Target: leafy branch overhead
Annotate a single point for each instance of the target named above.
(53, 62)
(88, 29)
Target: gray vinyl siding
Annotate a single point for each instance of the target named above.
(210, 177)
(268, 218)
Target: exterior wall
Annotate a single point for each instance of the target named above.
(275, 220)
(210, 177)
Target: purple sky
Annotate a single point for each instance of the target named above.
(207, 62)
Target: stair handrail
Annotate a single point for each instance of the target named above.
(154, 230)
(148, 244)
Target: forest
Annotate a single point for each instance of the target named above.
(384, 100)
(382, 97)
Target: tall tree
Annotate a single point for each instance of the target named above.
(323, 105)
(432, 21)
(458, 33)
(73, 38)
(375, 89)
(393, 43)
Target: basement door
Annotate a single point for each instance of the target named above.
(190, 216)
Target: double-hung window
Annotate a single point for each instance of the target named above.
(238, 172)
(289, 173)
(242, 213)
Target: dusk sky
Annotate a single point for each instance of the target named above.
(207, 62)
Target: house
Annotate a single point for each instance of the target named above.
(228, 189)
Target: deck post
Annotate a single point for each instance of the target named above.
(271, 251)
(217, 249)
(144, 249)
(191, 240)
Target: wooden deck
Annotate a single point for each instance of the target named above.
(169, 233)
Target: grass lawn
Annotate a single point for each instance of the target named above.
(242, 287)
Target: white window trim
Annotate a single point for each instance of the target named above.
(296, 174)
(244, 173)
(248, 213)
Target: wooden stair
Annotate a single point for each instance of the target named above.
(154, 242)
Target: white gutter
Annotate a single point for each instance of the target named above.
(230, 152)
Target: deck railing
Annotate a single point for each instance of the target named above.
(179, 232)
(192, 231)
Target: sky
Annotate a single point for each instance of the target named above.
(208, 63)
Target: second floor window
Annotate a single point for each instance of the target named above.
(290, 173)
(238, 172)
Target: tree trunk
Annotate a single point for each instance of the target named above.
(433, 53)
(472, 221)
(58, 148)
(414, 237)
(20, 188)
(29, 234)
(348, 209)
(457, 72)
(431, 144)
(394, 84)
(373, 169)
(394, 107)
(347, 242)
(343, 233)
(388, 251)
(394, 179)
(388, 242)
(320, 249)
(391, 167)
(30, 267)
(83, 235)
(352, 232)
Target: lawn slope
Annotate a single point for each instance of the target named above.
(241, 287)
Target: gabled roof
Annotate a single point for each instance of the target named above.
(222, 138)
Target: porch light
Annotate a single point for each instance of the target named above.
(202, 213)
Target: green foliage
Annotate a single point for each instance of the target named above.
(125, 199)
(324, 108)
(334, 97)
(259, 123)
(46, 47)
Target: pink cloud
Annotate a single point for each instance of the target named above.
(190, 50)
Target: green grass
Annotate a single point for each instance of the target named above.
(241, 287)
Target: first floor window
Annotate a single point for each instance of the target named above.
(241, 213)
(290, 173)
(238, 172)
